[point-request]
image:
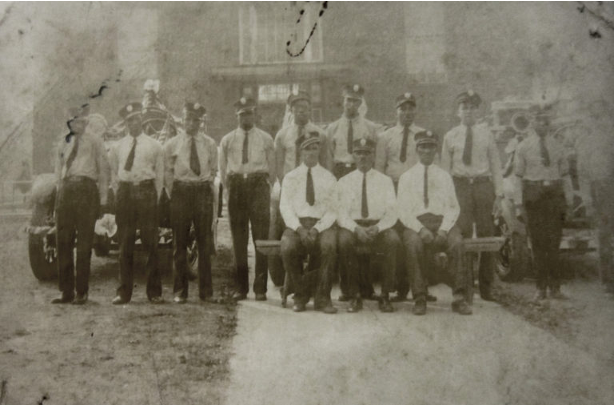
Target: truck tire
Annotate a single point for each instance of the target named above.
(102, 246)
(513, 260)
(44, 268)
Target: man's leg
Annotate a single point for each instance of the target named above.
(554, 210)
(239, 228)
(259, 214)
(401, 271)
(276, 229)
(414, 256)
(292, 253)
(346, 241)
(327, 253)
(126, 232)
(65, 234)
(387, 242)
(203, 219)
(180, 220)
(147, 215)
(484, 198)
(86, 215)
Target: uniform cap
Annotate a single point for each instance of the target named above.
(405, 98)
(298, 95)
(195, 109)
(469, 97)
(245, 105)
(363, 144)
(130, 109)
(353, 91)
(312, 137)
(426, 138)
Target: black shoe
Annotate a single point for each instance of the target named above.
(209, 299)
(431, 298)
(344, 298)
(260, 297)
(487, 295)
(298, 306)
(80, 299)
(179, 300)
(156, 300)
(64, 298)
(327, 308)
(385, 306)
(118, 300)
(540, 296)
(355, 305)
(239, 296)
(462, 307)
(398, 298)
(419, 307)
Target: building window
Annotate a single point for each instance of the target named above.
(425, 41)
(265, 29)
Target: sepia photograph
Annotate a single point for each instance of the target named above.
(292, 202)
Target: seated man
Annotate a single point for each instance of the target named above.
(307, 205)
(366, 215)
(428, 209)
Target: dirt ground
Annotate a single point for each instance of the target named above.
(100, 353)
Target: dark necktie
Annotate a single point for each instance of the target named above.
(403, 156)
(350, 137)
(544, 151)
(310, 193)
(364, 207)
(468, 146)
(297, 156)
(130, 160)
(426, 187)
(194, 161)
(73, 154)
(245, 148)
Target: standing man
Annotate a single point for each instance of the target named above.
(428, 209)
(190, 169)
(287, 157)
(340, 138)
(247, 166)
(366, 214)
(82, 177)
(470, 155)
(137, 167)
(540, 163)
(308, 199)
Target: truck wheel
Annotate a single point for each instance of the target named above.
(192, 255)
(44, 266)
(102, 246)
(513, 259)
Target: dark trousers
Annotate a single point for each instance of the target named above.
(352, 258)
(603, 201)
(249, 202)
(476, 200)
(340, 169)
(276, 230)
(192, 203)
(545, 208)
(76, 210)
(137, 208)
(420, 263)
(323, 256)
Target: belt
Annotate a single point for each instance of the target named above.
(308, 222)
(143, 183)
(366, 223)
(183, 183)
(345, 165)
(75, 179)
(545, 183)
(255, 175)
(471, 181)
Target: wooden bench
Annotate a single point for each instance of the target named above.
(471, 245)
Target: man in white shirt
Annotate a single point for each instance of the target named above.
(429, 210)
(366, 215)
(190, 169)
(308, 199)
(137, 170)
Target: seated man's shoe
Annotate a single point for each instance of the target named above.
(355, 305)
(398, 298)
(80, 299)
(260, 297)
(539, 296)
(372, 296)
(462, 307)
(487, 295)
(344, 298)
(419, 307)
(209, 299)
(64, 298)
(239, 296)
(385, 306)
(179, 300)
(431, 298)
(156, 300)
(299, 306)
(118, 300)
(556, 294)
(327, 308)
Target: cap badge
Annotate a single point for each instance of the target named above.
(429, 134)
(356, 88)
(470, 92)
(295, 92)
(407, 95)
(196, 106)
(129, 108)
(243, 100)
(363, 142)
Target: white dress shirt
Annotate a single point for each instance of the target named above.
(380, 200)
(337, 135)
(293, 204)
(260, 153)
(485, 160)
(148, 161)
(285, 148)
(441, 197)
(388, 152)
